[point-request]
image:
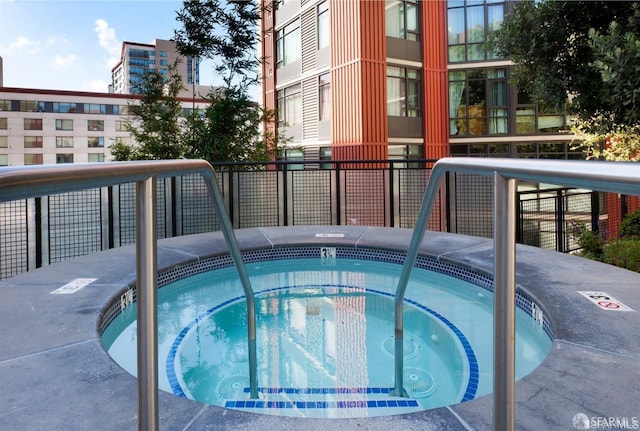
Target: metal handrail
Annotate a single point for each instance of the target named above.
(616, 177)
(22, 182)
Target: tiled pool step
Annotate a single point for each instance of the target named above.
(327, 402)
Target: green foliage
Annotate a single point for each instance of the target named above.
(599, 137)
(232, 127)
(156, 120)
(629, 228)
(624, 253)
(591, 243)
(584, 52)
(229, 129)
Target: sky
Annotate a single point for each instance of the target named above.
(74, 44)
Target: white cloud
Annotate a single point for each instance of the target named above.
(22, 45)
(64, 61)
(108, 41)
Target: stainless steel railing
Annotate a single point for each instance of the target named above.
(616, 177)
(23, 182)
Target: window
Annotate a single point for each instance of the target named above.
(95, 141)
(4, 141)
(64, 108)
(95, 108)
(33, 124)
(121, 109)
(64, 158)
(123, 140)
(470, 21)
(163, 53)
(96, 157)
(478, 102)
(323, 25)
(33, 159)
(31, 106)
(288, 48)
(290, 105)
(64, 124)
(4, 160)
(33, 141)
(3, 123)
(5, 105)
(401, 19)
(64, 141)
(403, 92)
(95, 125)
(324, 97)
(121, 126)
(534, 119)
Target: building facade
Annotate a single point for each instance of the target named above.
(138, 58)
(52, 126)
(367, 80)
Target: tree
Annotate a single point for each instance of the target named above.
(156, 121)
(232, 127)
(584, 52)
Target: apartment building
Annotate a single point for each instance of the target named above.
(137, 58)
(363, 79)
(53, 126)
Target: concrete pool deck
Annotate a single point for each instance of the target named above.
(55, 374)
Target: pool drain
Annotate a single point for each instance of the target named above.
(410, 348)
(418, 383)
(232, 388)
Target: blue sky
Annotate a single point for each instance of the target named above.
(73, 44)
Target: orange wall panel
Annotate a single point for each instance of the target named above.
(435, 79)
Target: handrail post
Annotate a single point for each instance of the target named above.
(146, 280)
(236, 255)
(504, 304)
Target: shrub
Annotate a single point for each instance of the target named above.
(624, 253)
(630, 225)
(591, 243)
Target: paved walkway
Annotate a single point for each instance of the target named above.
(55, 375)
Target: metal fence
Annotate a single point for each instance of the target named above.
(40, 231)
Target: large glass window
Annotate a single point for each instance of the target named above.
(64, 124)
(290, 105)
(323, 25)
(96, 157)
(64, 141)
(95, 125)
(4, 160)
(401, 19)
(478, 102)
(95, 141)
(533, 119)
(33, 124)
(64, 107)
(64, 158)
(33, 159)
(288, 48)
(33, 141)
(469, 23)
(95, 108)
(31, 106)
(324, 97)
(3, 123)
(5, 105)
(121, 126)
(4, 141)
(403, 92)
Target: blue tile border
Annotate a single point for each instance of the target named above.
(264, 404)
(472, 382)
